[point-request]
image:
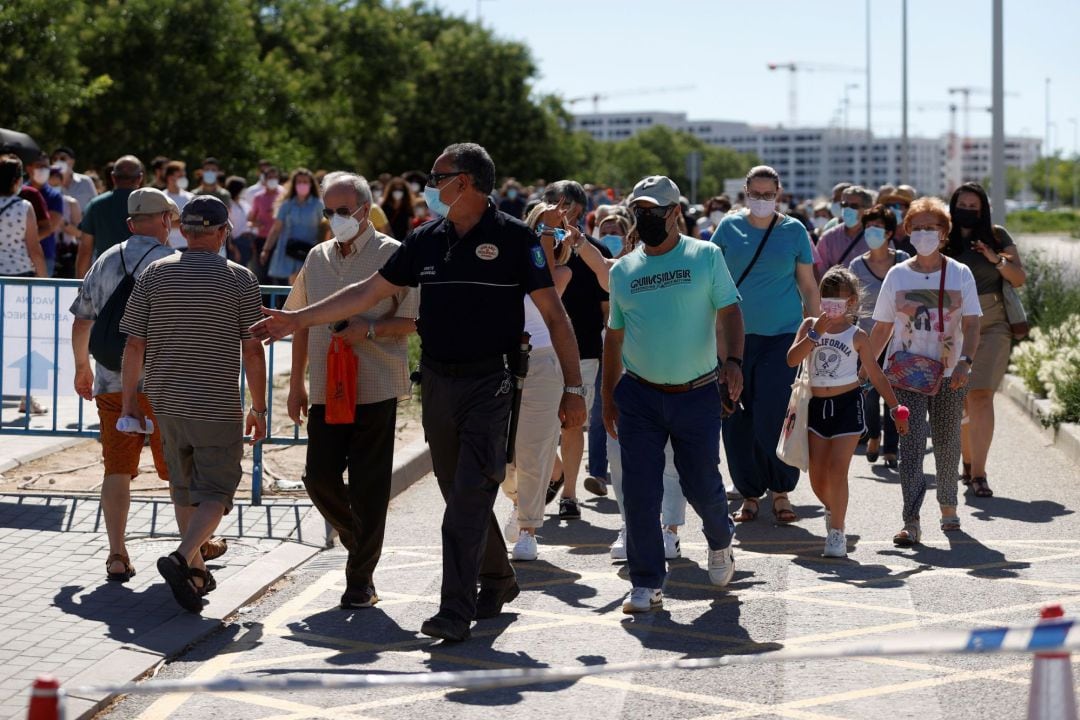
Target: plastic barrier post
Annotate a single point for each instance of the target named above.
(45, 699)
(1052, 696)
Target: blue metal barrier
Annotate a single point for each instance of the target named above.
(49, 289)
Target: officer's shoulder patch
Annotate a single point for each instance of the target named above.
(538, 256)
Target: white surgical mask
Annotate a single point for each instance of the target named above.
(761, 208)
(835, 209)
(272, 184)
(415, 187)
(819, 222)
(182, 183)
(209, 177)
(715, 217)
(345, 228)
(874, 236)
(41, 175)
(925, 242)
(397, 195)
(64, 166)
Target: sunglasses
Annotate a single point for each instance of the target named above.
(656, 211)
(342, 211)
(435, 178)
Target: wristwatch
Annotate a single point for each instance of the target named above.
(1002, 261)
(967, 359)
(257, 413)
(813, 335)
(371, 331)
(736, 360)
(574, 389)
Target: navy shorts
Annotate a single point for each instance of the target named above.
(837, 416)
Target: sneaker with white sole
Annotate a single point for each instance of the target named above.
(672, 548)
(511, 531)
(835, 544)
(525, 547)
(643, 600)
(618, 548)
(721, 566)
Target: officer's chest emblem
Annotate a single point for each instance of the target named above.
(487, 251)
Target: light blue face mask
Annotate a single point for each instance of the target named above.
(614, 243)
(434, 202)
(874, 236)
(899, 213)
(850, 216)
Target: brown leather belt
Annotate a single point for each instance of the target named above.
(696, 383)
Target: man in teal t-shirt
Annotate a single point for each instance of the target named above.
(668, 301)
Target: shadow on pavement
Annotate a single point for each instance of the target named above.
(994, 508)
(128, 615)
(557, 582)
(713, 633)
(964, 553)
(30, 516)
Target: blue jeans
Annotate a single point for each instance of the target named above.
(673, 508)
(598, 454)
(750, 434)
(648, 419)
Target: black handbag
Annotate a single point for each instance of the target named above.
(298, 249)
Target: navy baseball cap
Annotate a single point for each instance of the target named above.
(204, 210)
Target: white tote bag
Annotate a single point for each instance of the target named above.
(793, 447)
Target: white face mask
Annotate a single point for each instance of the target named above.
(272, 184)
(64, 166)
(41, 175)
(415, 187)
(397, 195)
(835, 209)
(925, 242)
(182, 183)
(345, 228)
(819, 222)
(715, 217)
(761, 208)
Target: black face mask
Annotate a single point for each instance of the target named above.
(966, 218)
(651, 229)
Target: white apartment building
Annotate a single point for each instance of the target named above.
(811, 160)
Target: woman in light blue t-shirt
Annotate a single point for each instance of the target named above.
(775, 278)
(297, 219)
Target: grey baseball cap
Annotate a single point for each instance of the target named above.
(655, 190)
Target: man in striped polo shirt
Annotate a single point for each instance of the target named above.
(378, 337)
(188, 316)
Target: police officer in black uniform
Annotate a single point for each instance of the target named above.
(475, 266)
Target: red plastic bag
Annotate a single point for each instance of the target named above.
(341, 369)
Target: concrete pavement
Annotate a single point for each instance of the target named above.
(1016, 552)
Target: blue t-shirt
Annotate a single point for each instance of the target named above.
(54, 200)
(300, 221)
(771, 303)
(667, 306)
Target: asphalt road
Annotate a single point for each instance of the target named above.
(1016, 552)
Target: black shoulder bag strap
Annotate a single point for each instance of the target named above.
(757, 253)
(136, 266)
(849, 247)
(9, 204)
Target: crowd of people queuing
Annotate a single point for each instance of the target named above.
(659, 329)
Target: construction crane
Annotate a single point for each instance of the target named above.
(967, 92)
(597, 97)
(796, 67)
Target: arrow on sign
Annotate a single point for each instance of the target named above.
(37, 366)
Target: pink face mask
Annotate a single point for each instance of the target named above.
(303, 189)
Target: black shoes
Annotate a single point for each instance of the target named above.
(489, 602)
(554, 486)
(357, 598)
(445, 628)
(569, 509)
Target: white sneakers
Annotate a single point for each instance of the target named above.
(835, 544)
(643, 600)
(525, 547)
(721, 566)
(618, 548)
(672, 549)
(511, 529)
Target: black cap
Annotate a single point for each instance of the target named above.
(64, 149)
(205, 210)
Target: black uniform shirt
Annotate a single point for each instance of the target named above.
(472, 305)
(582, 298)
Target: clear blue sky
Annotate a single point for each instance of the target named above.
(722, 47)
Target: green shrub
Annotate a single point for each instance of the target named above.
(1065, 222)
(1052, 291)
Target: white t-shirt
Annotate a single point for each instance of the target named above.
(181, 199)
(535, 325)
(909, 300)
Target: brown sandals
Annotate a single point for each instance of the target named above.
(127, 574)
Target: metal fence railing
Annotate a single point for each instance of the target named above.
(37, 364)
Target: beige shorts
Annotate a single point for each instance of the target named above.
(203, 458)
(995, 344)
